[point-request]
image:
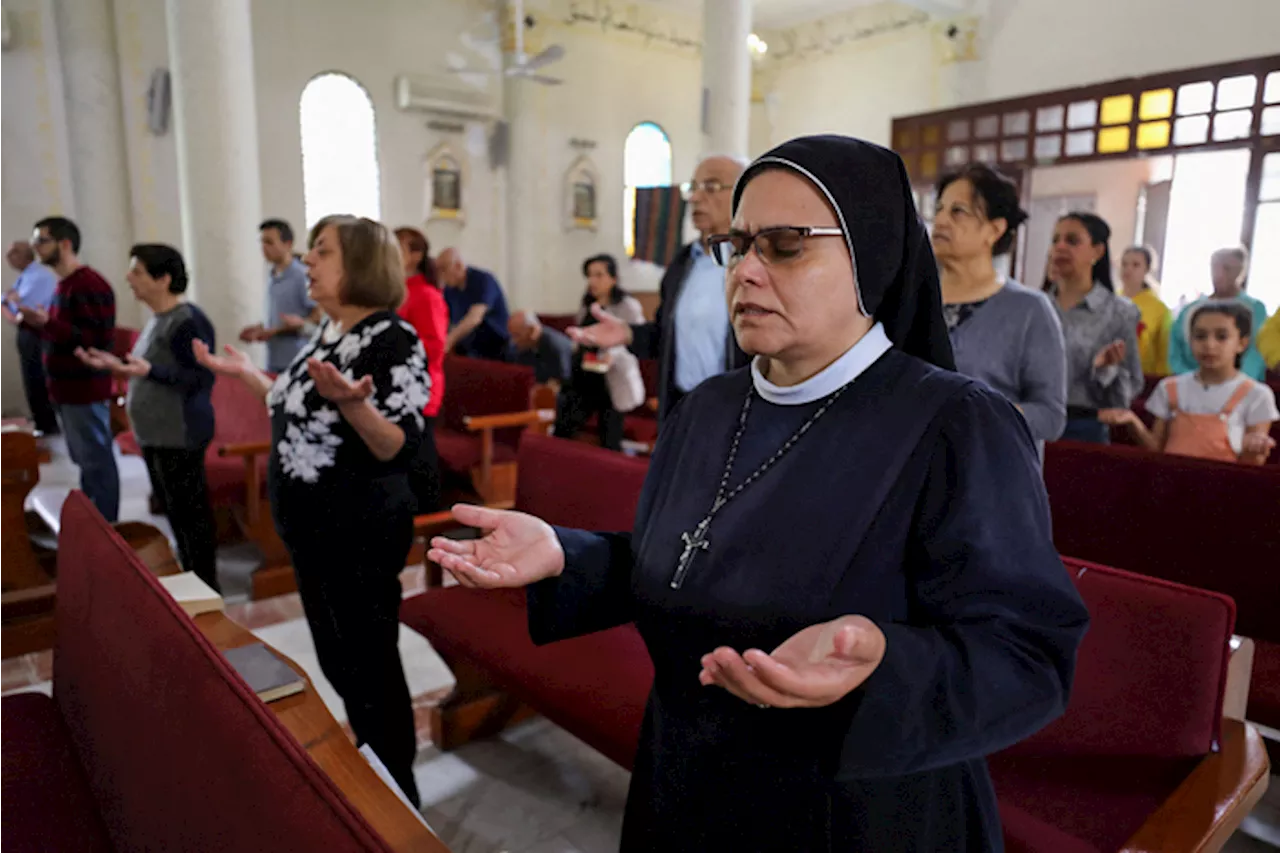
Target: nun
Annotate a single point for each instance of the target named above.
(841, 563)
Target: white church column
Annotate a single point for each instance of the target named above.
(216, 127)
(526, 198)
(96, 145)
(726, 76)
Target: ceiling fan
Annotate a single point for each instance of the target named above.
(520, 64)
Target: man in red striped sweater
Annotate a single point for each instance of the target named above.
(83, 314)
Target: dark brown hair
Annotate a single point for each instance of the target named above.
(419, 243)
(372, 271)
(995, 195)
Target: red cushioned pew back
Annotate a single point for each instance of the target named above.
(1150, 673)
(179, 753)
(573, 484)
(482, 387)
(240, 416)
(1193, 521)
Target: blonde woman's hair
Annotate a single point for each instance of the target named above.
(372, 269)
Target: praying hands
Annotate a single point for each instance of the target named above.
(516, 549)
(101, 360)
(816, 667)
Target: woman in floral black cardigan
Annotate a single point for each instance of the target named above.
(346, 418)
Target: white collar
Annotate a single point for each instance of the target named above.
(839, 373)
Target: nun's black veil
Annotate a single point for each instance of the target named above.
(896, 275)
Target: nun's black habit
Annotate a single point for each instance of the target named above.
(915, 501)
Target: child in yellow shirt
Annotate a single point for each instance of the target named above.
(1269, 341)
(1136, 265)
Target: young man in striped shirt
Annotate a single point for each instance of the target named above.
(82, 314)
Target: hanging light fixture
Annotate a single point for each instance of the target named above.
(758, 46)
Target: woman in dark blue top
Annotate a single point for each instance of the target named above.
(170, 405)
(841, 563)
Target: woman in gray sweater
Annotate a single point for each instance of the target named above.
(1005, 334)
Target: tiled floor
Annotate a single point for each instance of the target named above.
(535, 789)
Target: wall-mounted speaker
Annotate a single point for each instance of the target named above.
(158, 101)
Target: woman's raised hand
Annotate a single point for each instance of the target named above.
(608, 331)
(814, 668)
(233, 363)
(1112, 353)
(1117, 417)
(335, 387)
(515, 550)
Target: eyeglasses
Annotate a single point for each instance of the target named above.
(709, 187)
(775, 245)
(40, 240)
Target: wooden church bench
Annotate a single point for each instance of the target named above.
(27, 599)
(236, 467)
(1198, 522)
(153, 742)
(487, 405)
(483, 635)
(1143, 758)
(122, 342)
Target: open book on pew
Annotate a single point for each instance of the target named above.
(194, 595)
(269, 676)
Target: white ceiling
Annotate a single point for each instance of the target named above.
(778, 14)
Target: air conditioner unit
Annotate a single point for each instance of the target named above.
(444, 97)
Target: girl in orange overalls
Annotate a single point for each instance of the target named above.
(1216, 412)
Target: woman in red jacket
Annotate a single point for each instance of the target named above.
(424, 309)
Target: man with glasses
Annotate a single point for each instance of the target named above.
(82, 315)
(34, 289)
(691, 336)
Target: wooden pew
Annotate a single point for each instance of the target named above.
(274, 575)
(27, 600)
(235, 463)
(308, 719)
(1198, 522)
(186, 713)
(568, 483)
(487, 405)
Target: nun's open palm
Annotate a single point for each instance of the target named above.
(515, 550)
(814, 668)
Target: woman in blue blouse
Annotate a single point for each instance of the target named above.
(1104, 367)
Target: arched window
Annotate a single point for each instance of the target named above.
(646, 162)
(339, 149)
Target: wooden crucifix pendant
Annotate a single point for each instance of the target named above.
(693, 543)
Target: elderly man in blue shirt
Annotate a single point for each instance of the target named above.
(33, 289)
(690, 336)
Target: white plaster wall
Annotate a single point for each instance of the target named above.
(1023, 47)
(857, 90)
(1115, 183)
(1036, 45)
(611, 85)
(294, 40)
(142, 43)
(35, 179)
